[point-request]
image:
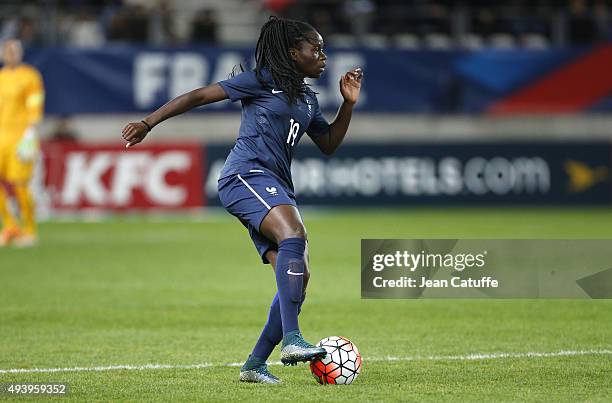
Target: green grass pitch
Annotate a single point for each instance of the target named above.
(180, 292)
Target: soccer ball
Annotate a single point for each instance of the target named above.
(340, 366)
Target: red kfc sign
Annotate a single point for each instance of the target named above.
(112, 177)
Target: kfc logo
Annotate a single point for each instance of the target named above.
(157, 177)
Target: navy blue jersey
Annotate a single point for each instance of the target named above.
(270, 128)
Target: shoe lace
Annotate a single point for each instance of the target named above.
(263, 369)
(300, 342)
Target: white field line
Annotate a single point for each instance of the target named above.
(469, 357)
(494, 356)
(107, 368)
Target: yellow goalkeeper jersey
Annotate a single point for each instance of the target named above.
(22, 98)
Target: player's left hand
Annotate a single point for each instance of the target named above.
(350, 85)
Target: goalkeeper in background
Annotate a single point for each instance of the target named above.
(21, 109)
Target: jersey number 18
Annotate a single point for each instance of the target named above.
(294, 128)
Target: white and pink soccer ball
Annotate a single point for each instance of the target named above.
(341, 365)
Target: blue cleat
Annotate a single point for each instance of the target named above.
(296, 349)
(256, 371)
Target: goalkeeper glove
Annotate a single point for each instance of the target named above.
(28, 147)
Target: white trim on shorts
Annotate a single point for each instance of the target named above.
(255, 193)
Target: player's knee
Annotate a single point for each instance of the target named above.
(294, 245)
(293, 232)
(21, 189)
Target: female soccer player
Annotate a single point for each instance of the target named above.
(255, 184)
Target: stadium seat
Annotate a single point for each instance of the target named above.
(407, 41)
(437, 41)
(342, 40)
(502, 41)
(470, 41)
(535, 41)
(375, 41)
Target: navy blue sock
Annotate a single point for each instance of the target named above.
(273, 326)
(289, 272)
(272, 333)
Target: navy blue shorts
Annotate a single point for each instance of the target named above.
(249, 197)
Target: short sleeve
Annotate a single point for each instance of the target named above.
(319, 126)
(243, 85)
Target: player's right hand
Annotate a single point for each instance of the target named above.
(134, 133)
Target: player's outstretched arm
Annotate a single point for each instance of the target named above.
(350, 86)
(135, 132)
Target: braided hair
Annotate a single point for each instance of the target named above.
(272, 52)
